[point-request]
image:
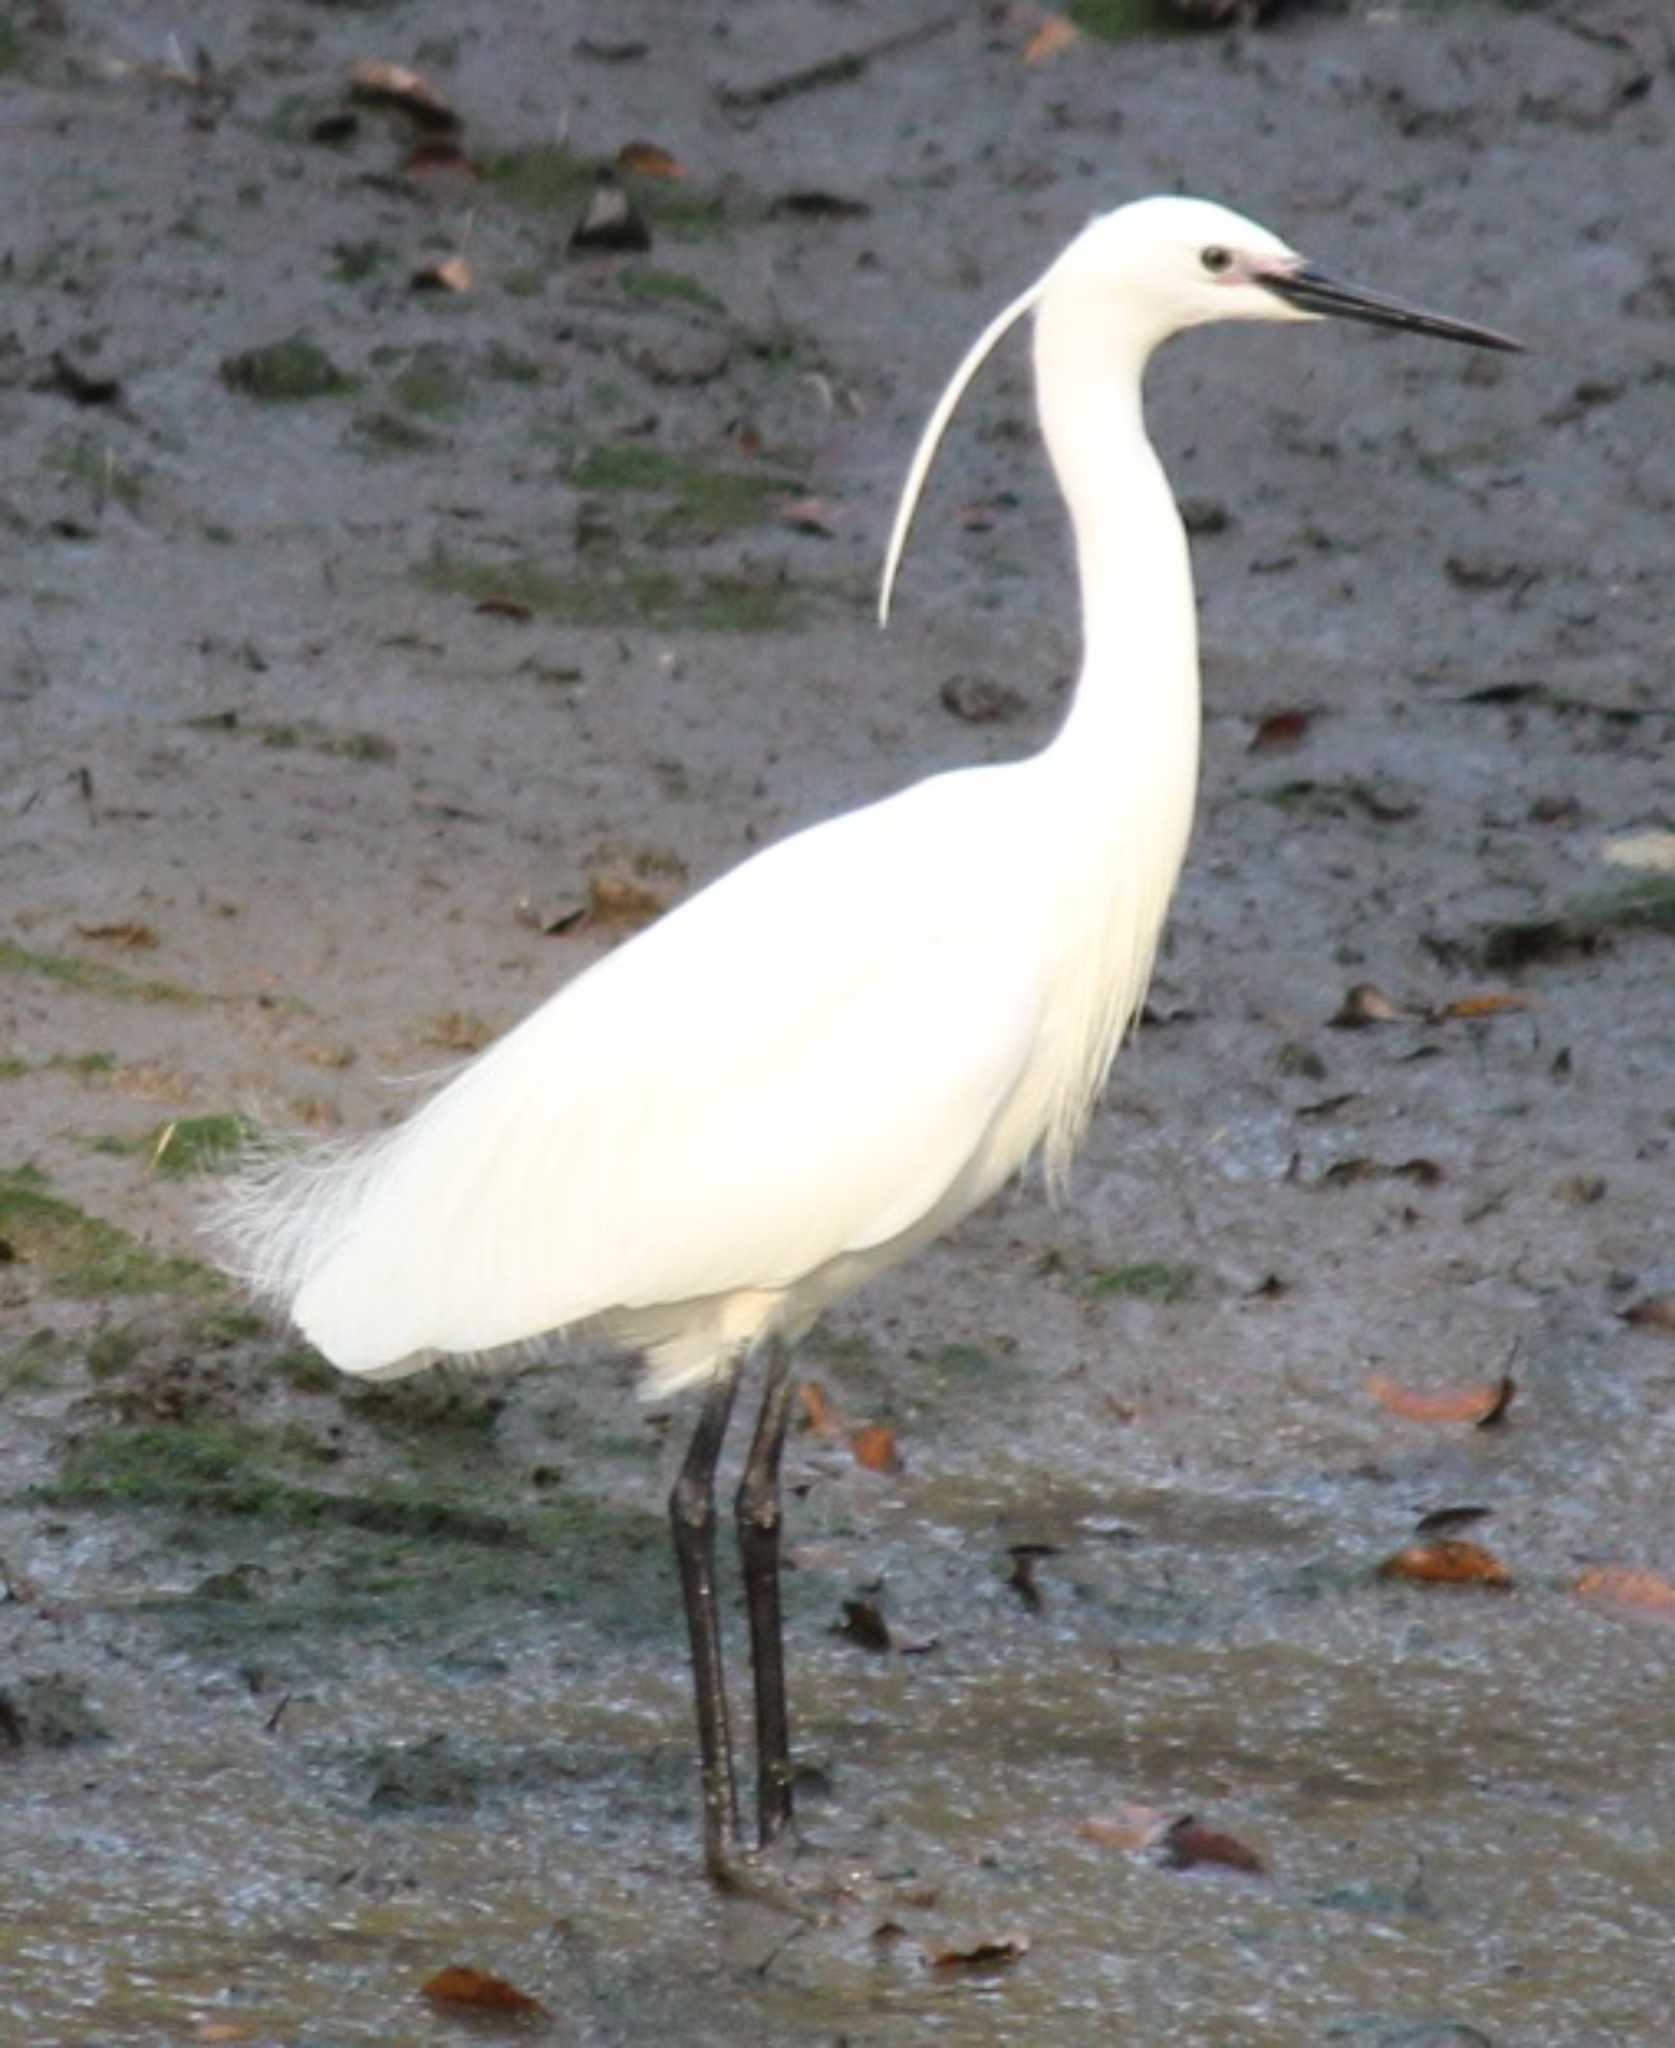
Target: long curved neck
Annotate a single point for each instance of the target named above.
(1139, 677)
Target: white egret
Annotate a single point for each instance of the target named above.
(840, 1048)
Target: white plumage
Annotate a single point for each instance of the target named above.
(843, 1046)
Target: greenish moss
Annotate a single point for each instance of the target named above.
(35, 1363)
(199, 1144)
(305, 1371)
(14, 47)
(93, 977)
(354, 261)
(644, 597)
(387, 433)
(84, 1065)
(83, 1255)
(666, 287)
(551, 178)
(306, 735)
(508, 366)
(707, 501)
(430, 388)
(528, 282)
(1146, 1280)
(286, 372)
(90, 462)
(1115, 21)
(1645, 905)
(113, 1350)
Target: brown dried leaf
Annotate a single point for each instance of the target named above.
(448, 274)
(1280, 730)
(1450, 1561)
(377, 84)
(819, 1409)
(1057, 32)
(124, 931)
(1130, 1827)
(983, 1955)
(1449, 1518)
(1363, 1005)
(1481, 1404)
(621, 894)
(1654, 1312)
(809, 515)
(1492, 1002)
(460, 1984)
(649, 161)
(494, 606)
(1186, 1843)
(1646, 1595)
(874, 1448)
(438, 159)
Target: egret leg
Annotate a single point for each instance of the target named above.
(757, 1510)
(692, 1521)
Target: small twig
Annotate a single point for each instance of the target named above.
(837, 70)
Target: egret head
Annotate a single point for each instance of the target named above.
(1130, 280)
(1161, 265)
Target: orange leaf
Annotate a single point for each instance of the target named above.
(1643, 1593)
(1489, 1002)
(819, 1409)
(1448, 1404)
(1186, 1844)
(1451, 1561)
(875, 1448)
(1129, 1827)
(449, 274)
(1056, 33)
(461, 1985)
(650, 161)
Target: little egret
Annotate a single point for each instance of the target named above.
(835, 1052)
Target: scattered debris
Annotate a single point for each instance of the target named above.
(1482, 1405)
(1449, 1561)
(1643, 1594)
(1363, 1005)
(375, 84)
(648, 160)
(842, 69)
(817, 205)
(983, 1955)
(1654, 1312)
(480, 1991)
(1280, 730)
(1435, 1520)
(874, 1448)
(449, 274)
(863, 1623)
(980, 700)
(611, 221)
(1056, 33)
(1186, 1844)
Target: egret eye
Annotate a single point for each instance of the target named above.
(1216, 259)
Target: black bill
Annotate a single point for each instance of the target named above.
(1312, 292)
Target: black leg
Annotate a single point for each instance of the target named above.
(692, 1519)
(758, 1514)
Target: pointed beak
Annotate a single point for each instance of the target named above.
(1311, 291)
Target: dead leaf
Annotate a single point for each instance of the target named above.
(983, 1955)
(808, 515)
(126, 931)
(647, 160)
(817, 205)
(449, 274)
(1057, 32)
(1647, 1595)
(460, 1984)
(819, 1411)
(496, 607)
(874, 1448)
(1187, 1844)
(222, 2030)
(863, 1623)
(1280, 730)
(377, 84)
(1022, 1576)
(1130, 1827)
(1449, 1518)
(1450, 1561)
(1363, 1005)
(79, 385)
(1654, 851)
(1654, 1312)
(622, 894)
(888, 1932)
(1489, 1003)
(1481, 1404)
(1343, 1173)
(610, 222)
(438, 159)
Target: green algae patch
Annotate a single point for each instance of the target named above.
(630, 597)
(93, 977)
(83, 1255)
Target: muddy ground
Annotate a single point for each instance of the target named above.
(352, 696)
